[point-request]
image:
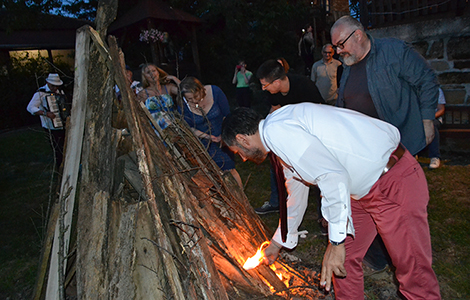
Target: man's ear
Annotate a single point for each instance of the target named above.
(242, 140)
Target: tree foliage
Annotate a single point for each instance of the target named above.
(80, 8)
(250, 30)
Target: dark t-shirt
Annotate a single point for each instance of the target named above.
(356, 91)
(301, 89)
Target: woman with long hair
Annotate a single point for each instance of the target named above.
(204, 109)
(159, 92)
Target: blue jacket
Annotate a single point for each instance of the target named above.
(403, 87)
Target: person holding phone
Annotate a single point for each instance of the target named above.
(241, 78)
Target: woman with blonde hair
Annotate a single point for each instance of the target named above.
(204, 109)
(159, 92)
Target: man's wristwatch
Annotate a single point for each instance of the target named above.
(337, 243)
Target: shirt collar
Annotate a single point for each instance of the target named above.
(261, 135)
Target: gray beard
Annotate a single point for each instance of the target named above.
(349, 60)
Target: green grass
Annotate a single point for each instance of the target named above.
(26, 162)
(449, 219)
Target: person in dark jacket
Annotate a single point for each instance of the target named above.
(386, 79)
(284, 88)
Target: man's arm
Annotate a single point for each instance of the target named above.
(417, 71)
(297, 201)
(34, 106)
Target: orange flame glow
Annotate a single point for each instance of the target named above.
(256, 259)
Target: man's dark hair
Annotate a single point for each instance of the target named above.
(241, 121)
(271, 70)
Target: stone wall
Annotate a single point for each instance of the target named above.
(445, 43)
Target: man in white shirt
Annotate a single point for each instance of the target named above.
(38, 106)
(364, 175)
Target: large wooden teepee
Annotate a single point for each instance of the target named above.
(148, 215)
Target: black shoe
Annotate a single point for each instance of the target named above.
(266, 209)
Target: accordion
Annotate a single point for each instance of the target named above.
(57, 104)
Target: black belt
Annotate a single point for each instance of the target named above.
(394, 158)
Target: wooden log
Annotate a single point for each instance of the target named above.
(72, 161)
(98, 161)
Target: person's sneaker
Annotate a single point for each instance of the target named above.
(368, 271)
(435, 163)
(266, 209)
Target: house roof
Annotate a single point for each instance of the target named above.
(152, 9)
(40, 32)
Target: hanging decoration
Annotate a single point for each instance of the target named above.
(151, 36)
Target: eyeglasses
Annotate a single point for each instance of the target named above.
(267, 84)
(341, 45)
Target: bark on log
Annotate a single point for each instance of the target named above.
(98, 161)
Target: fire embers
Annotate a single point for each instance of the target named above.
(299, 280)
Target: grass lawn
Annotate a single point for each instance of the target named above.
(26, 163)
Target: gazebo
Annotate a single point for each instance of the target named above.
(173, 24)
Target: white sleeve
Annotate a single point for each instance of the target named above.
(297, 202)
(35, 103)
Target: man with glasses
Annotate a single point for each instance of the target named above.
(324, 74)
(386, 79)
(284, 89)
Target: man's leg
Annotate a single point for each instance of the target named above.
(399, 208)
(352, 286)
(273, 204)
(57, 140)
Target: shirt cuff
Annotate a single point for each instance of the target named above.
(337, 232)
(291, 241)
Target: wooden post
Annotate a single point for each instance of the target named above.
(72, 160)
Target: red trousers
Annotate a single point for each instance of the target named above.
(396, 207)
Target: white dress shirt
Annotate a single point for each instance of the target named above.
(39, 102)
(342, 151)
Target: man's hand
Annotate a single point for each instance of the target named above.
(271, 252)
(428, 130)
(49, 115)
(333, 262)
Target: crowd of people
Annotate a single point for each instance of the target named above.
(348, 130)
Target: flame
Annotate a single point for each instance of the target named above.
(255, 260)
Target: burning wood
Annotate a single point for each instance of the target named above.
(255, 260)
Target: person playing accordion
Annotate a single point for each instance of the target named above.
(48, 103)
